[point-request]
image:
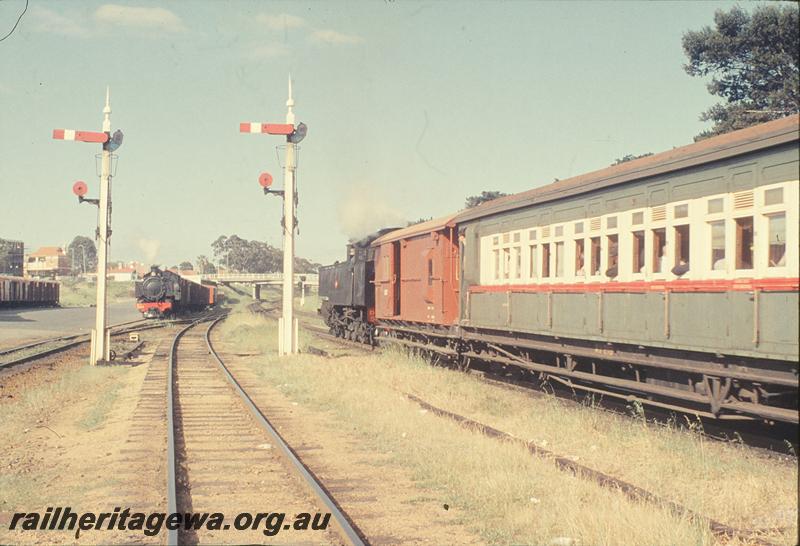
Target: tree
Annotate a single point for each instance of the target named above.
(630, 157)
(205, 265)
(254, 256)
(475, 200)
(421, 220)
(82, 255)
(186, 266)
(753, 61)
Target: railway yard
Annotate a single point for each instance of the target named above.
(397, 451)
(600, 347)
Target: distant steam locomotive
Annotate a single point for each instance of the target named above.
(164, 294)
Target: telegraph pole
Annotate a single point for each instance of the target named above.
(287, 324)
(101, 347)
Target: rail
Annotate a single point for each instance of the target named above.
(342, 523)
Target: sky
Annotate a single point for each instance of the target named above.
(410, 107)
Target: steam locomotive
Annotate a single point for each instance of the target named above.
(671, 280)
(165, 294)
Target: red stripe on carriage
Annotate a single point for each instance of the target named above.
(782, 284)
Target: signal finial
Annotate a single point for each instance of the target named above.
(290, 104)
(107, 111)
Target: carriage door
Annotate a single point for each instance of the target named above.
(395, 277)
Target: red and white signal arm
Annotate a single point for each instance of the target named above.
(81, 136)
(265, 180)
(79, 188)
(269, 128)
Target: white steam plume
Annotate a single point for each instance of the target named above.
(149, 248)
(363, 210)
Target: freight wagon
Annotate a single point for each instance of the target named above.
(19, 291)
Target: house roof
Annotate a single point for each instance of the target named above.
(48, 251)
(731, 144)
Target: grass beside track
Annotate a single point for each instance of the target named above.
(83, 294)
(514, 498)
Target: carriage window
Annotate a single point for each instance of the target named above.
(430, 272)
(578, 227)
(681, 245)
(595, 255)
(717, 245)
(505, 238)
(611, 222)
(506, 262)
(516, 237)
(532, 264)
(682, 211)
(659, 249)
(715, 205)
(559, 259)
(545, 260)
(579, 259)
(532, 235)
(496, 264)
(777, 240)
(637, 219)
(744, 243)
(559, 231)
(638, 251)
(612, 256)
(517, 262)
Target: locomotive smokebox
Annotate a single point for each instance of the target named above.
(152, 289)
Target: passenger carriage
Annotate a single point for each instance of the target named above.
(672, 279)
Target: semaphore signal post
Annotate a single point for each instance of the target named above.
(101, 347)
(287, 325)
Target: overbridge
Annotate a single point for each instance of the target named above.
(306, 282)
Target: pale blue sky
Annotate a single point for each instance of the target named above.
(411, 107)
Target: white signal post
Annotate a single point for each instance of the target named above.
(287, 328)
(287, 325)
(101, 349)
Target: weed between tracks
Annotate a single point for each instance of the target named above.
(511, 497)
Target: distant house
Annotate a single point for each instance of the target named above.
(121, 274)
(48, 261)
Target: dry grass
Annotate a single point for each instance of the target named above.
(515, 498)
(83, 294)
(39, 401)
(38, 407)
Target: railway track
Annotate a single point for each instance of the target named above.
(22, 354)
(29, 352)
(225, 456)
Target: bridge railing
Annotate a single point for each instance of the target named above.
(308, 278)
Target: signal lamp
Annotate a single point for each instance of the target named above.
(79, 188)
(265, 180)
